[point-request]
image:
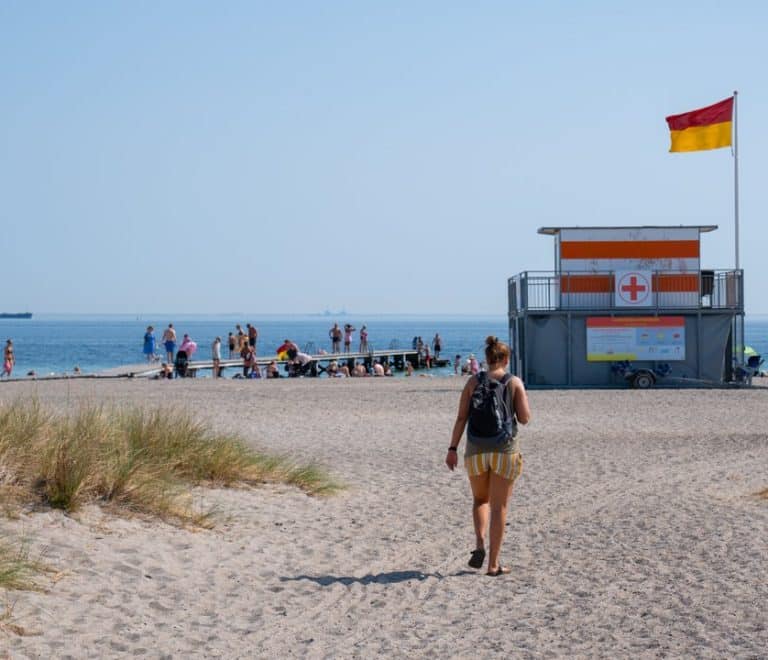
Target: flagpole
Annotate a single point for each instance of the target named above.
(736, 177)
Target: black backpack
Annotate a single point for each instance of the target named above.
(491, 416)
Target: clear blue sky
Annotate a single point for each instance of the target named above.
(382, 157)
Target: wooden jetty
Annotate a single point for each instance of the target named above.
(396, 357)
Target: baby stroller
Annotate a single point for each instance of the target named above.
(180, 364)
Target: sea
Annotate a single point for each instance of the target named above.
(55, 344)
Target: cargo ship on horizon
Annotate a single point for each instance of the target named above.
(20, 315)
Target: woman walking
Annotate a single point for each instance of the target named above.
(491, 405)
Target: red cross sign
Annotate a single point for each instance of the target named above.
(633, 288)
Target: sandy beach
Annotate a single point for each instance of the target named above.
(634, 532)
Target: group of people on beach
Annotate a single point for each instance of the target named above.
(242, 342)
(335, 334)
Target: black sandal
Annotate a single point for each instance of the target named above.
(501, 570)
(478, 558)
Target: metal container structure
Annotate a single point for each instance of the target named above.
(626, 298)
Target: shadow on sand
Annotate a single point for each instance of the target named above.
(392, 577)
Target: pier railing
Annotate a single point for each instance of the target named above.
(585, 291)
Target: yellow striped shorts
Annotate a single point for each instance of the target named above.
(508, 466)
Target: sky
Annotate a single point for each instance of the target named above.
(398, 157)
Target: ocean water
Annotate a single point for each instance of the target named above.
(55, 344)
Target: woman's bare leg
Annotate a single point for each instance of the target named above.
(499, 492)
(480, 507)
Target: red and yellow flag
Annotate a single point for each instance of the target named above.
(705, 128)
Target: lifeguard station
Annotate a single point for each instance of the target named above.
(626, 303)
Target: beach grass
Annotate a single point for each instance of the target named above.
(144, 461)
(17, 569)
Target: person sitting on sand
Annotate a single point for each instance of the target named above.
(335, 370)
(272, 370)
(493, 462)
(388, 369)
(165, 372)
(359, 370)
(378, 369)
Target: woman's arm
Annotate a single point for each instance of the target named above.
(452, 459)
(520, 400)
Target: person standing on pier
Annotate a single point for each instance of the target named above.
(348, 330)
(9, 359)
(437, 345)
(232, 344)
(242, 338)
(253, 335)
(169, 342)
(363, 339)
(216, 355)
(335, 334)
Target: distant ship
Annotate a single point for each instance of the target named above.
(21, 315)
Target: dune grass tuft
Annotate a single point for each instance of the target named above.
(17, 569)
(138, 460)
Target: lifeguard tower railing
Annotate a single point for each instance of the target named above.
(548, 291)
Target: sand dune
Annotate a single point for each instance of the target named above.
(633, 532)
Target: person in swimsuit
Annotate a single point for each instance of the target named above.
(335, 334)
(9, 359)
(232, 344)
(437, 345)
(149, 344)
(253, 335)
(363, 339)
(492, 473)
(169, 342)
(348, 330)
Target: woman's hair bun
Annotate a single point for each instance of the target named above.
(490, 340)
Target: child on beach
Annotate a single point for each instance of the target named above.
(492, 456)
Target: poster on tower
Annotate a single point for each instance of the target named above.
(633, 288)
(617, 338)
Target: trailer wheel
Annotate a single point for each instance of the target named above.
(643, 380)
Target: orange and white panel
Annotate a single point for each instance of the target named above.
(622, 248)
